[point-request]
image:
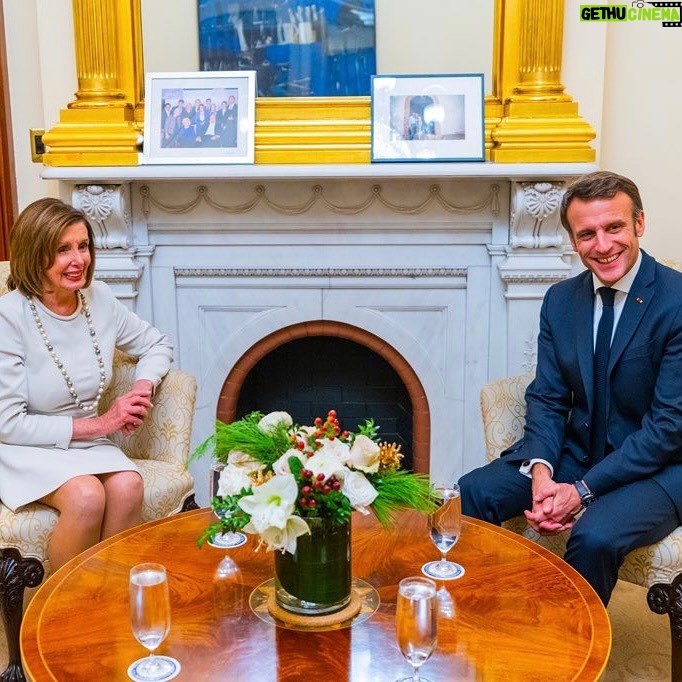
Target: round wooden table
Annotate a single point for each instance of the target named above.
(518, 613)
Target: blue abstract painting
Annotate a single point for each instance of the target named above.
(299, 48)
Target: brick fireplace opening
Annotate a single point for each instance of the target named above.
(308, 368)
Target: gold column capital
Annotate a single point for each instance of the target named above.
(99, 128)
(539, 122)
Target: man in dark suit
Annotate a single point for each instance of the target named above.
(623, 469)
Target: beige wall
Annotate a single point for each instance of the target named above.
(42, 79)
(625, 77)
(641, 127)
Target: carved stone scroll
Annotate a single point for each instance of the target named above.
(535, 220)
(106, 207)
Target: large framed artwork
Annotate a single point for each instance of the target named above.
(200, 117)
(299, 48)
(428, 118)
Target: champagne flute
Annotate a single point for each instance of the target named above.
(416, 622)
(445, 525)
(150, 621)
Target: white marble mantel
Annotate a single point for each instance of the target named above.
(446, 262)
(159, 172)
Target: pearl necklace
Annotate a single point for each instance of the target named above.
(92, 407)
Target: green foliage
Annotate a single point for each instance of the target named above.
(400, 489)
(295, 467)
(231, 516)
(333, 506)
(246, 436)
(369, 429)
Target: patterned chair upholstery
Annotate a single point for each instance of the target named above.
(160, 448)
(657, 567)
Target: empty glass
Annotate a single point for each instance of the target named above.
(445, 525)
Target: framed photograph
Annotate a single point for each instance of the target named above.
(299, 48)
(428, 118)
(200, 117)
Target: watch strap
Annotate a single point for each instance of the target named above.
(586, 496)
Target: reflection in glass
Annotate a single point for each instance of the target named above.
(299, 48)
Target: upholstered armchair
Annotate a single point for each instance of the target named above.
(658, 566)
(160, 448)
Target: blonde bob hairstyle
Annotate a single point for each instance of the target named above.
(33, 242)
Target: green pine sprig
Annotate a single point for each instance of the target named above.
(401, 489)
(245, 436)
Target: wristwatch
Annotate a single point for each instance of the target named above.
(586, 496)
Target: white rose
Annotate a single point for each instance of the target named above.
(324, 462)
(364, 455)
(281, 466)
(271, 421)
(358, 490)
(244, 462)
(335, 447)
(232, 480)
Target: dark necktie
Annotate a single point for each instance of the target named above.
(602, 350)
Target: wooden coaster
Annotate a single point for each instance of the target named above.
(324, 620)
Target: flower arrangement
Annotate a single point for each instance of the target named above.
(278, 475)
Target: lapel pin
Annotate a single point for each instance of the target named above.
(639, 300)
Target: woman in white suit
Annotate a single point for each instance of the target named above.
(58, 332)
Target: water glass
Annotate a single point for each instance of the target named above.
(416, 622)
(150, 621)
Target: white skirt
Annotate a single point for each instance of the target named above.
(28, 473)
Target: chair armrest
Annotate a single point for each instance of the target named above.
(166, 433)
(503, 408)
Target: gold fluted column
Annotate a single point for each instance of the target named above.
(539, 122)
(100, 127)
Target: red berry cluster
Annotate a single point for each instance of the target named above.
(315, 485)
(330, 428)
(297, 442)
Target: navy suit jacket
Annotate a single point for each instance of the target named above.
(645, 384)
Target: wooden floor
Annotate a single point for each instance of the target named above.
(641, 639)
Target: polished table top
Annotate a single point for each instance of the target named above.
(518, 613)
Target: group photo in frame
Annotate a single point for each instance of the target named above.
(206, 117)
(428, 118)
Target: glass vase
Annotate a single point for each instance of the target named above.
(315, 579)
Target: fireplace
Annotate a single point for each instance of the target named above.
(428, 276)
(309, 368)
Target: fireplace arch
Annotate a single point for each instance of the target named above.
(229, 394)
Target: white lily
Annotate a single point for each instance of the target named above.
(285, 539)
(271, 508)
